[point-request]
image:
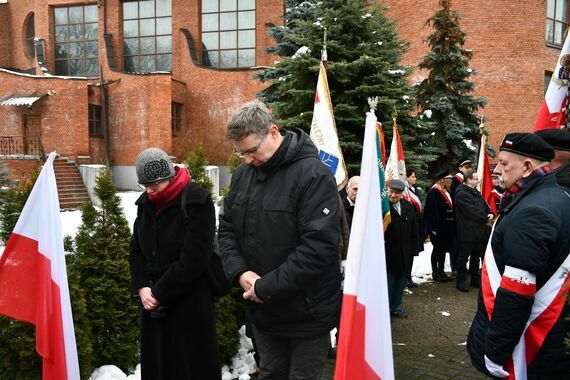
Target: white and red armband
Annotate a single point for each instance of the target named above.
(518, 281)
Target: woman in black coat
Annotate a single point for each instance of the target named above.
(169, 256)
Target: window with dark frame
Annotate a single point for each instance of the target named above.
(176, 118)
(147, 35)
(76, 35)
(95, 121)
(228, 33)
(547, 78)
(556, 21)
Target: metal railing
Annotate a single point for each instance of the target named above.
(21, 146)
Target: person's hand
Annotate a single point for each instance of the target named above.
(490, 217)
(247, 279)
(495, 369)
(250, 294)
(147, 299)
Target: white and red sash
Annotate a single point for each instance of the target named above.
(548, 304)
(459, 177)
(413, 198)
(444, 194)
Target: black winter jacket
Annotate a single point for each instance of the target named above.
(471, 212)
(533, 234)
(438, 215)
(170, 254)
(282, 221)
(563, 176)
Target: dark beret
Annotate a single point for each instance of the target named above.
(396, 184)
(558, 138)
(441, 174)
(464, 161)
(528, 145)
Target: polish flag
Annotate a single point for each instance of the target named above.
(551, 114)
(485, 180)
(323, 131)
(365, 340)
(396, 166)
(33, 278)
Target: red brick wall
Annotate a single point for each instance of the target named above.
(63, 115)
(21, 168)
(139, 105)
(5, 35)
(509, 54)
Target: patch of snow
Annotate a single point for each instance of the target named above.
(368, 15)
(431, 356)
(444, 313)
(379, 43)
(301, 51)
(462, 343)
(469, 144)
(427, 113)
(399, 344)
(396, 72)
(469, 70)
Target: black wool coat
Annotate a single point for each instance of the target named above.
(533, 234)
(282, 221)
(401, 237)
(438, 215)
(170, 254)
(471, 212)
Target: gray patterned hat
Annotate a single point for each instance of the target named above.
(154, 165)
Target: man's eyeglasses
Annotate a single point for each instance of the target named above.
(251, 151)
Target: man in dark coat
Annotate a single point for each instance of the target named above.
(463, 165)
(349, 199)
(401, 242)
(439, 223)
(472, 218)
(279, 240)
(522, 320)
(414, 197)
(559, 139)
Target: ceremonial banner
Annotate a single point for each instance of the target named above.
(551, 114)
(365, 340)
(33, 279)
(381, 152)
(323, 131)
(382, 144)
(396, 166)
(484, 172)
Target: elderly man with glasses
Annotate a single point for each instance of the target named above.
(279, 240)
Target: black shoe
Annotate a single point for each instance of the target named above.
(436, 275)
(411, 284)
(445, 277)
(400, 313)
(461, 286)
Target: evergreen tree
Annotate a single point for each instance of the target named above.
(364, 54)
(445, 94)
(196, 162)
(101, 262)
(13, 201)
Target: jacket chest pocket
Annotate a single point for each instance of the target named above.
(278, 220)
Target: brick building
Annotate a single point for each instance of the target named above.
(512, 55)
(102, 80)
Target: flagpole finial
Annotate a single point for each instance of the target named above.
(373, 103)
(324, 55)
(394, 118)
(481, 125)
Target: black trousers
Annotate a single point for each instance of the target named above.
(472, 251)
(441, 245)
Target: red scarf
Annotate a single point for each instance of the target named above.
(174, 188)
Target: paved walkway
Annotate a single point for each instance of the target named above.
(431, 342)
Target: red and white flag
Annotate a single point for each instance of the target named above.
(396, 166)
(33, 278)
(485, 180)
(551, 114)
(365, 340)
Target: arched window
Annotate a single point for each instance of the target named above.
(29, 34)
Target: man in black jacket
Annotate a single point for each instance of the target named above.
(401, 242)
(349, 200)
(472, 218)
(279, 235)
(560, 141)
(522, 317)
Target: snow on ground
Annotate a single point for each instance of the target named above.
(243, 363)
